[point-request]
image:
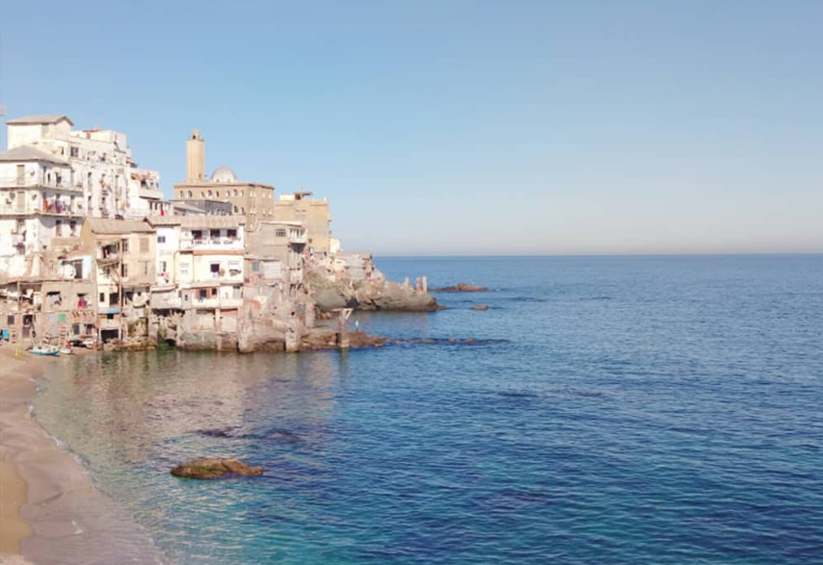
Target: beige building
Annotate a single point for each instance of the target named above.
(253, 200)
(313, 213)
(124, 251)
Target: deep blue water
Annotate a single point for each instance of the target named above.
(654, 410)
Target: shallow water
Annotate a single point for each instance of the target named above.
(622, 410)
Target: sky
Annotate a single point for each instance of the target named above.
(462, 127)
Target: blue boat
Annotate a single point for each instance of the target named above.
(52, 350)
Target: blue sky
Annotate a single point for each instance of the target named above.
(458, 127)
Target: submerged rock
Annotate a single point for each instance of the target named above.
(480, 307)
(214, 468)
(460, 287)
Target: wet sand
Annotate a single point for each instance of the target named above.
(51, 511)
(16, 389)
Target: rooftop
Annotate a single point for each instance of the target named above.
(29, 153)
(106, 226)
(196, 222)
(42, 119)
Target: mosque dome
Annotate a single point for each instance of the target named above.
(223, 174)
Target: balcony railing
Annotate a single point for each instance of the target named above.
(27, 181)
(211, 242)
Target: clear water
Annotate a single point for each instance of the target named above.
(614, 410)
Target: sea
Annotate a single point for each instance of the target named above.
(603, 410)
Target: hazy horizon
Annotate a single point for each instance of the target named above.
(463, 129)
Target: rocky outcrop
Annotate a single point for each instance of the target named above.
(361, 295)
(214, 468)
(460, 287)
(480, 307)
(327, 338)
(207, 340)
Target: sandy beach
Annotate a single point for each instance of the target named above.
(16, 390)
(51, 511)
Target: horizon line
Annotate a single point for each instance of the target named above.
(627, 255)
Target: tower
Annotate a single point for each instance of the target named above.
(195, 158)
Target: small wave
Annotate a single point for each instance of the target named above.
(450, 341)
(526, 299)
(518, 394)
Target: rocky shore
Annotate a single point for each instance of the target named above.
(383, 295)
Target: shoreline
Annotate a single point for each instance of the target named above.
(51, 510)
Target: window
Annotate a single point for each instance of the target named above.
(144, 244)
(163, 266)
(235, 192)
(145, 265)
(75, 152)
(184, 269)
(190, 194)
(217, 193)
(125, 246)
(255, 266)
(102, 297)
(58, 228)
(214, 269)
(125, 271)
(10, 320)
(203, 293)
(73, 227)
(281, 233)
(234, 268)
(197, 235)
(231, 234)
(235, 209)
(161, 239)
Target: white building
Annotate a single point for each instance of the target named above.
(199, 263)
(52, 177)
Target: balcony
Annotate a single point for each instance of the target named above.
(217, 243)
(61, 183)
(229, 303)
(150, 194)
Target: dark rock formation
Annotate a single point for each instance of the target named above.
(327, 338)
(361, 295)
(214, 468)
(460, 287)
(480, 307)
(360, 339)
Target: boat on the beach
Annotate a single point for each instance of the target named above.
(45, 350)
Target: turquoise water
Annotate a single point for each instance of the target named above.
(613, 410)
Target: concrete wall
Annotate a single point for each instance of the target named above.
(313, 213)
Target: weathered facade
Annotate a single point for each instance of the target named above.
(313, 214)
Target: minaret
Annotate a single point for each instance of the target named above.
(195, 158)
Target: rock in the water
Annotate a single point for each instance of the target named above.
(480, 307)
(214, 468)
(460, 287)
